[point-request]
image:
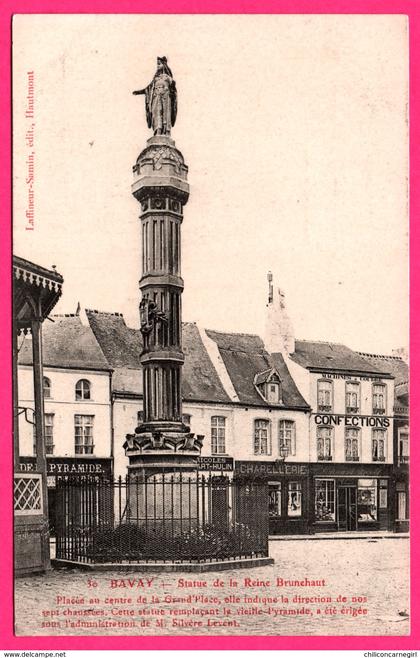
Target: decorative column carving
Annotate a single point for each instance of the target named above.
(161, 188)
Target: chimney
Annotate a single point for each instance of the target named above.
(279, 333)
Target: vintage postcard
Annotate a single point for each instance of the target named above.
(210, 327)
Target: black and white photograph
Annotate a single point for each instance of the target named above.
(210, 312)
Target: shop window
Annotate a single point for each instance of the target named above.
(403, 453)
(378, 445)
(324, 443)
(287, 437)
(378, 399)
(48, 434)
(47, 387)
(83, 435)
(294, 499)
(324, 500)
(218, 435)
(83, 389)
(262, 437)
(352, 397)
(351, 447)
(367, 510)
(274, 499)
(325, 395)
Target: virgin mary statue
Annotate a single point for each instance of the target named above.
(161, 99)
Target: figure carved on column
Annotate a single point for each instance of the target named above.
(150, 315)
(160, 99)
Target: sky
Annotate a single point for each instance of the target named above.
(294, 129)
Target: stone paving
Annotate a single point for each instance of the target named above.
(325, 576)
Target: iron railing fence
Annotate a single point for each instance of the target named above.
(164, 518)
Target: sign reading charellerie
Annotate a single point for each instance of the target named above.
(351, 421)
(270, 468)
(70, 466)
(215, 463)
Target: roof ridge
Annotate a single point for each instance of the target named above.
(64, 315)
(96, 312)
(233, 333)
(382, 356)
(322, 342)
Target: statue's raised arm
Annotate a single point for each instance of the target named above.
(160, 99)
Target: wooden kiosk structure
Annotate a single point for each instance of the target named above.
(36, 291)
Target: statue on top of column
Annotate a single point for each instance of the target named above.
(161, 99)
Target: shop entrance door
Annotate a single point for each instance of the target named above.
(347, 507)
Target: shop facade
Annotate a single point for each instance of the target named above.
(76, 469)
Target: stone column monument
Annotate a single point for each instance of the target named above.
(162, 442)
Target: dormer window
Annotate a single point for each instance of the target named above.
(268, 385)
(273, 393)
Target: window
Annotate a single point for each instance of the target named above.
(352, 397)
(324, 500)
(378, 445)
(287, 436)
(325, 395)
(262, 438)
(378, 398)
(47, 387)
(83, 435)
(366, 501)
(273, 389)
(402, 506)
(324, 438)
(274, 499)
(83, 390)
(218, 442)
(351, 447)
(294, 499)
(48, 434)
(403, 454)
(186, 419)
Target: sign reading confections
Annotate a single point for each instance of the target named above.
(351, 420)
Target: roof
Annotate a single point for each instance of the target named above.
(122, 347)
(333, 356)
(66, 343)
(263, 377)
(120, 344)
(244, 356)
(200, 380)
(392, 364)
(33, 287)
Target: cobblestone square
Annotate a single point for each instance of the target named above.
(338, 587)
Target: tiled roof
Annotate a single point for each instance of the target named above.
(263, 377)
(200, 380)
(66, 343)
(122, 346)
(392, 364)
(332, 356)
(244, 356)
